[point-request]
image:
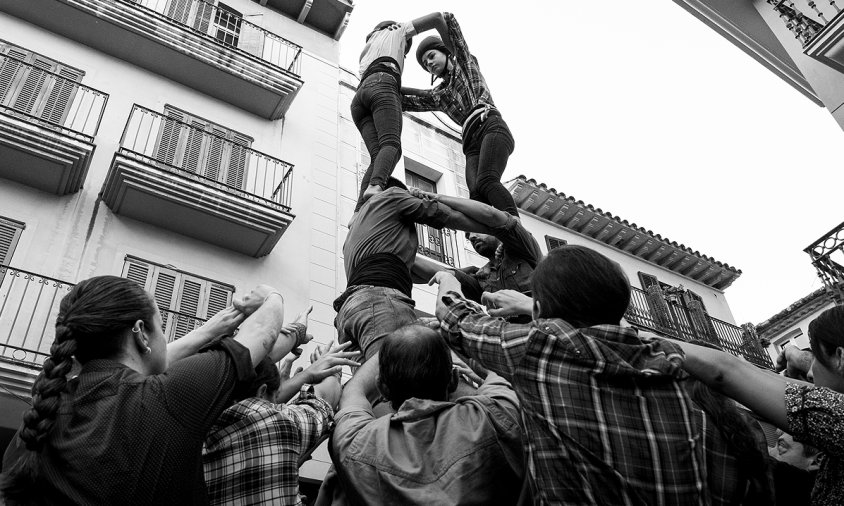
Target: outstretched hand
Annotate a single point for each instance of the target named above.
(250, 302)
(440, 277)
(421, 194)
(224, 322)
(329, 361)
(507, 303)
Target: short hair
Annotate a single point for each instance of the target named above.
(826, 332)
(580, 286)
(414, 361)
(266, 373)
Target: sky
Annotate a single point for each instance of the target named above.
(642, 110)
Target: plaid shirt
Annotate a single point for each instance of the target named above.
(251, 455)
(606, 420)
(462, 89)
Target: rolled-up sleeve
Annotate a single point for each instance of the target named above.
(816, 416)
(518, 241)
(427, 212)
(496, 344)
(420, 103)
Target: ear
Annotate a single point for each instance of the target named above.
(814, 463)
(452, 382)
(262, 391)
(839, 357)
(140, 338)
(536, 310)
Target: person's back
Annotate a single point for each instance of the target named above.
(431, 451)
(606, 419)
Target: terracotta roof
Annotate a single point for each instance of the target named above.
(544, 202)
(795, 312)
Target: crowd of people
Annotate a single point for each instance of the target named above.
(526, 387)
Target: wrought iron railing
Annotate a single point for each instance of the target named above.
(805, 18)
(50, 99)
(668, 317)
(441, 245)
(207, 157)
(228, 28)
(29, 304)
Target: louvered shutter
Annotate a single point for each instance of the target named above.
(168, 139)
(219, 297)
(9, 235)
(202, 20)
(60, 95)
(214, 156)
(163, 288)
(10, 72)
(193, 150)
(32, 86)
(179, 10)
(238, 159)
(190, 297)
(139, 272)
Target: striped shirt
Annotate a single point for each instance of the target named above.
(462, 89)
(606, 419)
(251, 455)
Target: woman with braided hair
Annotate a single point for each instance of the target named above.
(129, 429)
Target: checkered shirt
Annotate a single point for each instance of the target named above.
(463, 89)
(606, 419)
(251, 454)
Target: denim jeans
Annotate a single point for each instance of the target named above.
(487, 150)
(376, 111)
(369, 314)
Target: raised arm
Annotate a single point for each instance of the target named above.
(220, 325)
(259, 332)
(361, 390)
(472, 209)
(323, 365)
(434, 21)
(761, 391)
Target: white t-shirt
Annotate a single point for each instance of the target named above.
(387, 42)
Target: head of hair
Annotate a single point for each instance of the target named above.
(395, 183)
(733, 427)
(428, 43)
(580, 286)
(414, 361)
(92, 323)
(266, 373)
(826, 333)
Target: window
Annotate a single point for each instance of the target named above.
(433, 243)
(197, 145)
(184, 300)
(36, 85)
(182, 12)
(10, 232)
(227, 25)
(554, 242)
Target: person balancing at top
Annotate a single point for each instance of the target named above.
(465, 97)
(376, 107)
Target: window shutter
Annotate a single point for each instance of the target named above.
(189, 298)
(9, 235)
(139, 272)
(204, 11)
(647, 280)
(10, 72)
(61, 95)
(32, 86)
(553, 242)
(168, 140)
(237, 160)
(693, 296)
(179, 10)
(214, 156)
(219, 298)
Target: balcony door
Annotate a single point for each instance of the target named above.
(36, 85)
(194, 13)
(202, 147)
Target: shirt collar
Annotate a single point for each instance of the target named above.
(415, 409)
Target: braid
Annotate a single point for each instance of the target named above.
(47, 389)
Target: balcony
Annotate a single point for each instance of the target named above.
(439, 245)
(326, 16)
(47, 127)
(172, 175)
(205, 47)
(667, 315)
(818, 27)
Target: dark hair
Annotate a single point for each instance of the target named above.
(735, 431)
(826, 333)
(414, 361)
(380, 26)
(266, 373)
(91, 320)
(580, 286)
